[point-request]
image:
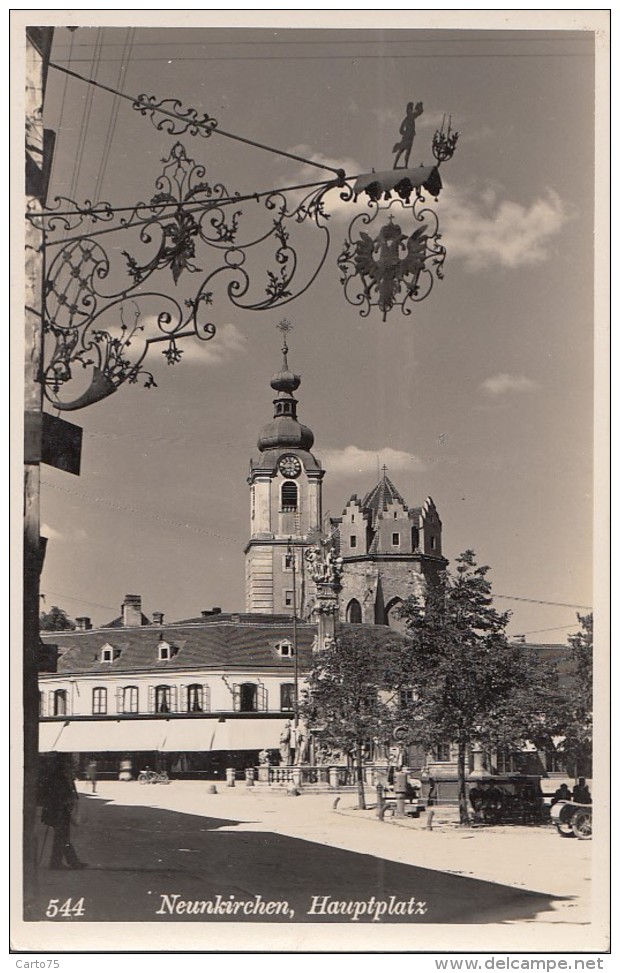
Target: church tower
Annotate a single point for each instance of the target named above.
(285, 504)
(389, 551)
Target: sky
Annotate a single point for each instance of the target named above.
(482, 398)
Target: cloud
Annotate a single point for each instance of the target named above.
(227, 342)
(353, 461)
(486, 231)
(502, 383)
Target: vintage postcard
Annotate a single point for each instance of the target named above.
(311, 339)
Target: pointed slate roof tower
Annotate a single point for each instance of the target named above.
(390, 551)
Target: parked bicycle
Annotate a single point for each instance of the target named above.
(149, 776)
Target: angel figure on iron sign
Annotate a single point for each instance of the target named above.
(407, 130)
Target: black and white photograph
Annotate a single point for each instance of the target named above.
(310, 336)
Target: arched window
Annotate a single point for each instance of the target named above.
(392, 615)
(247, 697)
(129, 699)
(354, 612)
(289, 495)
(60, 702)
(195, 698)
(287, 697)
(100, 700)
(162, 699)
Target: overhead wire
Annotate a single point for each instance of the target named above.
(197, 123)
(109, 137)
(86, 113)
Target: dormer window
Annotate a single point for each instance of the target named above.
(285, 648)
(164, 651)
(107, 653)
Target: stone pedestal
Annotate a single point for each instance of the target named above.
(230, 777)
(263, 774)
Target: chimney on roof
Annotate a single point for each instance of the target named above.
(158, 618)
(132, 611)
(207, 612)
(83, 623)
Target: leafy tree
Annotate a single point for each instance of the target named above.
(55, 620)
(471, 685)
(347, 701)
(577, 732)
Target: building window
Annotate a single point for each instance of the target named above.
(100, 700)
(59, 702)
(407, 698)
(289, 496)
(247, 697)
(415, 538)
(353, 541)
(352, 518)
(287, 562)
(396, 515)
(441, 753)
(395, 540)
(165, 652)
(286, 649)
(195, 699)
(288, 599)
(506, 762)
(107, 653)
(163, 700)
(354, 612)
(287, 697)
(129, 699)
(555, 763)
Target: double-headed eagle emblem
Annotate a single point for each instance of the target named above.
(385, 263)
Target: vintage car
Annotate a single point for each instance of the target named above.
(515, 798)
(572, 820)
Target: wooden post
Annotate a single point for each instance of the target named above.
(38, 44)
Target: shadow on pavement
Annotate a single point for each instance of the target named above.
(147, 864)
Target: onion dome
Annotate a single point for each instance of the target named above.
(285, 431)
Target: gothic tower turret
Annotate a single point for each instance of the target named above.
(285, 504)
(389, 552)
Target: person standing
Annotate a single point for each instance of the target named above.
(58, 799)
(581, 792)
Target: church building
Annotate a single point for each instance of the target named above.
(215, 691)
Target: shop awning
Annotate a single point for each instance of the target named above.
(238, 734)
(195, 736)
(166, 736)
(102, 736)
(49, 735)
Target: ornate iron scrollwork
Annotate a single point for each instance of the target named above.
(391, 268)
(101, 313)
(180, 120)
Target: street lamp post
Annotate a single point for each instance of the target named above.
(292, 556)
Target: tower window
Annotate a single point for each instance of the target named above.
(395, 539)
(289, 495)
(353, 541)
(433, 543)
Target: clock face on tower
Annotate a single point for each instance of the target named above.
(289, 466)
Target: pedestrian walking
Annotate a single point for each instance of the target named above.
(91, 774)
